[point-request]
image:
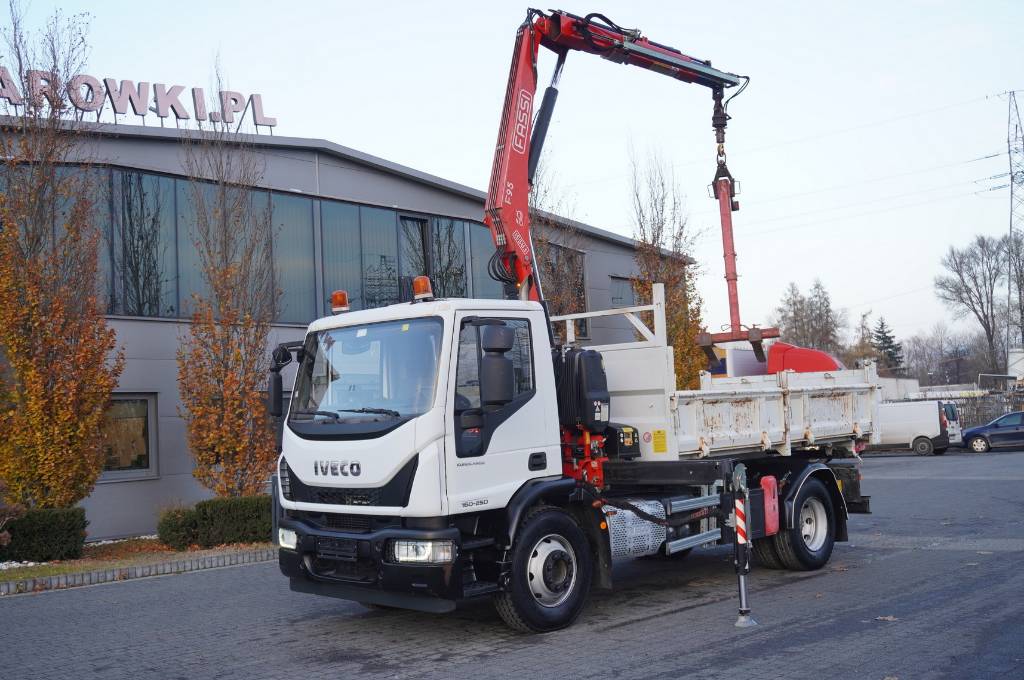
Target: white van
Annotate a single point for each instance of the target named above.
(921, 426)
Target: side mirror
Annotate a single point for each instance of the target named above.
(497, 339)
(275, 395)
(497, 378)
(281, 356)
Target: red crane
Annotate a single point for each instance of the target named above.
(520, 143)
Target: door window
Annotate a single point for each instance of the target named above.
(467, 374)
(473, 424)
(1012, 420)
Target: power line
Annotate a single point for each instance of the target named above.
(874, 200)
(798, 140)
(889, 297)
(856, 215)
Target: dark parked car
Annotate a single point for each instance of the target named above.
(1005, 430)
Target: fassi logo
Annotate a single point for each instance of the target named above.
(521, 129)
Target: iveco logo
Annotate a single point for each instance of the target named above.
(336, 468)
(521, 129)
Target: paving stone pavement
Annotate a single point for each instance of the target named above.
(941, 555)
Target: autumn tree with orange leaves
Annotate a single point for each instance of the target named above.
(58, 357)
(663, 243)
(223, 359)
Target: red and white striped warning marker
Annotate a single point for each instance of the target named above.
(741, 522)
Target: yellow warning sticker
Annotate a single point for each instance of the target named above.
(405, 327)
(660, 442)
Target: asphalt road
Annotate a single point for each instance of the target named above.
(939, 561)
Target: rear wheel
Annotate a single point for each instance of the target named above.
(764, 553)
(808, 544)
(550, 573)
(978, 445)
(923, 446)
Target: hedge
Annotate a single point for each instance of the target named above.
(217, 521)
(46, 535)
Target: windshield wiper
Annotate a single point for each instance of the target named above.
(330, 414)
(367, 409)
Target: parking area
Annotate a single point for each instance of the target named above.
(929, 586)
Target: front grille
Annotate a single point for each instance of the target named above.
(356, 524)
(284, 479)
(322, 494)
(395, 493)
(331, 548)
(352, 524)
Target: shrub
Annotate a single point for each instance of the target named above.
(8, 512)
(47, 534)
(245, 519)
(177, 528)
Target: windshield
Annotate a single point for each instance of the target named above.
(375, 371)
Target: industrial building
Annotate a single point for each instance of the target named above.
(342, 219)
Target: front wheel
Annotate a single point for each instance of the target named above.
(923, 446)
(978, 445)
(550, 573)
(808, 544)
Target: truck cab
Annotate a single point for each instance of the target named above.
(403, 420)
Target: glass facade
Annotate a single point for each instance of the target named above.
(294, 261)
(152, 226)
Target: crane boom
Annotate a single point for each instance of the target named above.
(519, 144)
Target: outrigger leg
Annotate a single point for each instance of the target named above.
(741, 546)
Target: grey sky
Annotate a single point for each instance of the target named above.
(842, 95)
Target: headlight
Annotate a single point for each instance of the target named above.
(286, 538)
(405, 550)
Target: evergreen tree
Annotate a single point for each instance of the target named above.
(884, 342)
(810, 320)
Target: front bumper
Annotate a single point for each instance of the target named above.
(355, 566)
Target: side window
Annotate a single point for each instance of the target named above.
(474, 424)
(521, 355)
(467, 372)
(1011, 420)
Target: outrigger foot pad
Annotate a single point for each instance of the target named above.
(745, 621)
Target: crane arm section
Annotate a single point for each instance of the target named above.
(520, 140)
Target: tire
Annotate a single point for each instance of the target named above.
(979, 445)
(808, 545)
(923, 446)
(939, 452)
(764, 553)
(550, 575)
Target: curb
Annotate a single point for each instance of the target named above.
(90, 578)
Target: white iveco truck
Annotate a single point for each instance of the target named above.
(449, 449)
(424, 461)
